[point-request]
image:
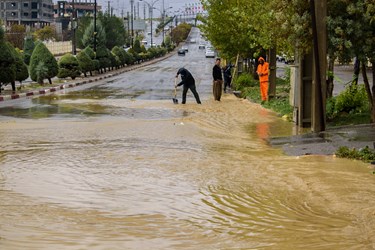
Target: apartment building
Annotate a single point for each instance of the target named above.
(35, 13)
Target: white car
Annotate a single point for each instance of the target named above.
(210, 53)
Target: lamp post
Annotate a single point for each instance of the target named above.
(94, 25)
(162, 12)
(131, 16)
(150, 7)
(74, 26)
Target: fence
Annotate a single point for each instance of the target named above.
(59, 48)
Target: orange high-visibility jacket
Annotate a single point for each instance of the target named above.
(262, 70)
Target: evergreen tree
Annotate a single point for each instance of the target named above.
(7, 65)
(28, 49)
(117, 51)
(88, 36)
(22, 72)
(102, 55)
(42, 55)
(85, 62)
(68, 67)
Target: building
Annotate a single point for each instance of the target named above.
(35, 13)
(81, 8)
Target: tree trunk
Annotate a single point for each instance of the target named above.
(13, 83)
(331, 65)
(370, 94)
(357, 67)
(49, 80)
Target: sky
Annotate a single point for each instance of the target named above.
(123, 6)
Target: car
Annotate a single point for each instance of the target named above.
(210, 53)
(185, 48)
(193, 40)
(181, 52)
(201, 46)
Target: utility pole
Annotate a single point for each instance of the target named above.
(74, 26)
(131, 16)
(319, 16)
(94, 25)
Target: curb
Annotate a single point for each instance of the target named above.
(45, 91)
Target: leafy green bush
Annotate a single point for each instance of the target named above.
(42, 54)
(365, 154)
(352, 99)
(69, 67)
(243, 81)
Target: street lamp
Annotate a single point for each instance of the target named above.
(131, 16)
(162, 12)
(94, 25)
(150, 7)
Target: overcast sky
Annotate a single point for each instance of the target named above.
(124, 5)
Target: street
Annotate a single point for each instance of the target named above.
(116, 165)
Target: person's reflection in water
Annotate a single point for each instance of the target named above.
(263, 130)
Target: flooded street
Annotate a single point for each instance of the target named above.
(116, 165)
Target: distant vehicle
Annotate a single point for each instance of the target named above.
(181, 52)
(201, 46)
(185, 48)
(193, 40)
(144, 42)
(149, 33)
(210, 53)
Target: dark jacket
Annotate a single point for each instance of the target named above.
(216, 73)
(186, 77)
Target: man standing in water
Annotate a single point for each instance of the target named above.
(189, 83)
(218, 80)
(262, 72)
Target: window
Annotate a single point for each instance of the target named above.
(34, 14)
(34, 5)
(26, 5)
(25, 14)
(13, 14)
(13, 4)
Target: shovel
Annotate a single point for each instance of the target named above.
(175, 100)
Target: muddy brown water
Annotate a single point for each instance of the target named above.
(161, 176)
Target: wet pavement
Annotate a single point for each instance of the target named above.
(327, 142)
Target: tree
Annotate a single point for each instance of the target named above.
(68, 67)
(7, 65)
(16, 35)
(103, 56)
(40, 59)
(88, 36)
(85, 62)
(46, 33)
(114, 30)
(28, 49)
(22, 72)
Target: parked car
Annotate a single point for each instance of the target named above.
(185, 48)
(201, 46)
(193, 40)
(181, 52)
(210, 53)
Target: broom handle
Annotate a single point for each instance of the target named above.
(175, 87)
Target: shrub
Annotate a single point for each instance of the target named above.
(42, 54)
(85, 62)
(28, 48)
(68, 67)
(22, 72)
(7, 59)
(364, 154)
(243, 81)
(353, 98)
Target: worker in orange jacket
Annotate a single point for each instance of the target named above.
(262, 72)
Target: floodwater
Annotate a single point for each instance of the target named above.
(121, 167)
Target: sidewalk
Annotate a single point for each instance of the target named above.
(327, 142)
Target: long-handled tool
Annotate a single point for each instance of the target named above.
(175, 100)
